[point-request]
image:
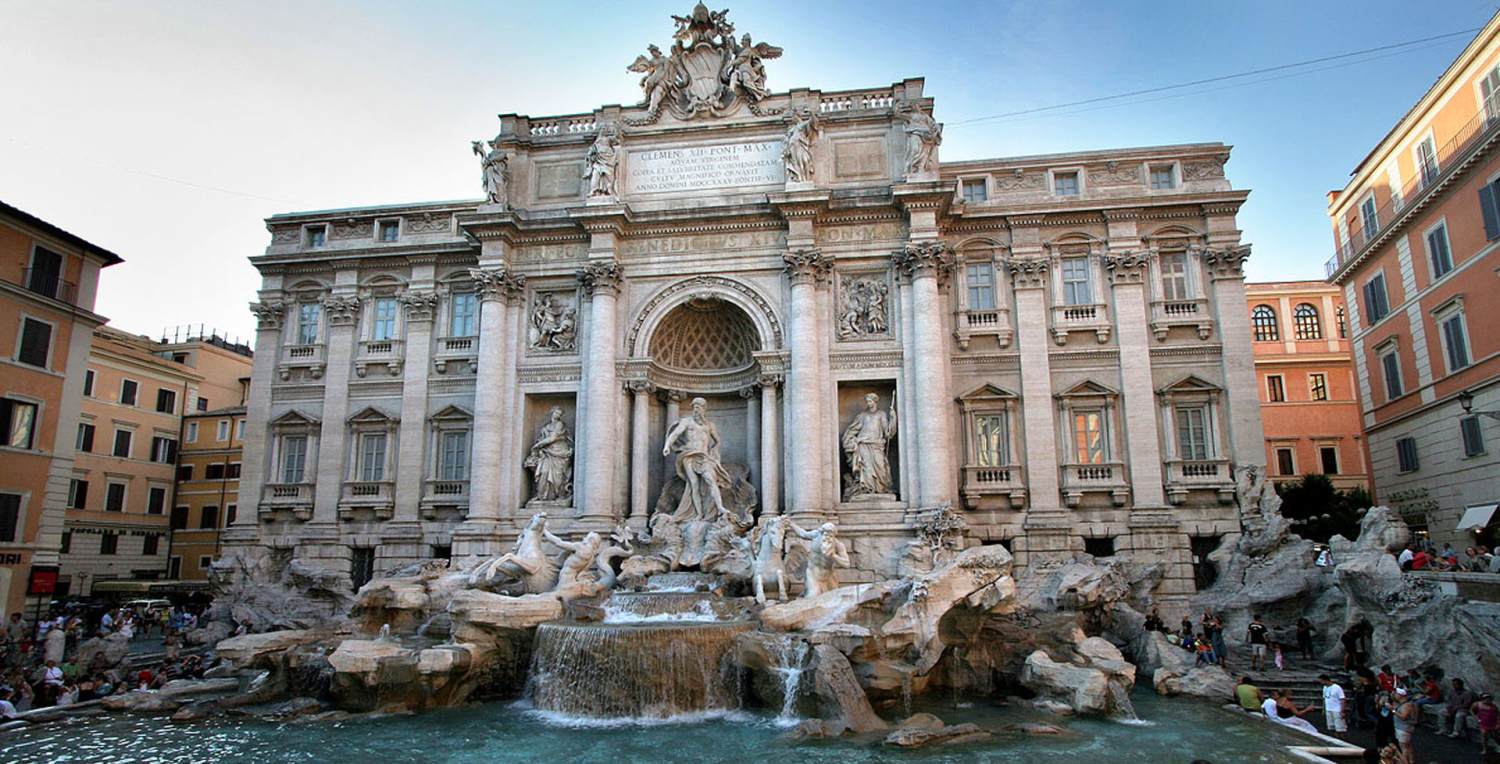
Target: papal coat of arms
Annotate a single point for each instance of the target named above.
(706, 72)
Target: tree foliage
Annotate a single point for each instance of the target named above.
(1319, 511)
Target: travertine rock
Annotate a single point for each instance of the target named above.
(830, 607)
(841, 701)
(978, 576)
(1084, 690)
(922, 730)
(1207, 682)
(244, 651)
(375, 674)
(480, 616)
(102, 652)
(273, 591)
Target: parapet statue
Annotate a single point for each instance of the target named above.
(600, 163)
(698, 464)
(496, 176)
(797, 151)
(866, 444)
(923, 135)
(526, 563)
(825, 555)
(551, 462)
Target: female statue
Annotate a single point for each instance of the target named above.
(551, 462)
(797, 152)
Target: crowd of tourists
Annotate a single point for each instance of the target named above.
(1422, 555)
(40, 666)
(1268, 645)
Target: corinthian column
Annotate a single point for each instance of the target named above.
(410, 466)
(1028, 276)
(1226, 269)
(1127, 275)
(640, 447)
(342, 313)
(601, 282)
(804, 268)
(269, 315)
(479, 533)
(925, 263)
(770, 447)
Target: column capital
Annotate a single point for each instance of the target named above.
(497, 283)
(806, 266)
(640, 386)
(750, 392)
(673, 396)
(341, 310)
(600, 277)
(420, 305)
(1126, 267)
(269, 314)
(1226, 263)
(924, 258)
(1028, 272)
(770, 381)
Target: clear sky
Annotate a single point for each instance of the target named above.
(167, 131)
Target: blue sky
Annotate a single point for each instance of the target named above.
(168, 130)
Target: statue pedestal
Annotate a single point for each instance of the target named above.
(493, 209)
(600, 201)
(805, 185)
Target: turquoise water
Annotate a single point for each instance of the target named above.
(1174, 731)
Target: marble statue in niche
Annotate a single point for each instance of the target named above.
(923, 135)
(797, 151)
(551, 463)
(496, 177)
(601, 161)
(862, 309)
(825, 555)
(554, 324)
(698, 464)
(866, 444)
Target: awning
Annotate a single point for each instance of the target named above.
(1477, 516)
(122, 586)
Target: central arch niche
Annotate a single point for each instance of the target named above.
(705, 336)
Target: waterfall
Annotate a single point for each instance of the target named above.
(1120, 707)
(422, 630)
(385, 633)
(790, 659)
(635, 671)
(649, 607)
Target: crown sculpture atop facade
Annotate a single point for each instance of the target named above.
(706, 72)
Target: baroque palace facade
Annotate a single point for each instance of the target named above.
(1057, 346)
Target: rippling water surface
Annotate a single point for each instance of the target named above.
(1175, 731)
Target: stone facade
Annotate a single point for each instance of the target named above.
(1009, 314)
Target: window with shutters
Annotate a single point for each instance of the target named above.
(1286, 462)
(128, 391)
(1075, 281)
(213, 471)
(1406, 454)
(454, 458)
(114, 497)
(1369, 217)
(1489, 209)
(1275, 389)
(1426, 160)
(974, 191)
(232, 471)
(10, 516)
(166, 401)
(163, 449)
(124, 439)
(463, 315)
(1376, 304)
(1439, 254)
(1174, 276)
(1472, 436)
(293, 458)
(45, 274)
(78, 493)
(1317, 386)
(222, 433)
(36, 343)
(1263, 319)
(383, 319)
(88, 383)
(18, 422)
(308, 316)
(1390, 366)
(371, 456)
(156, 500)
(1489, 93)
(1455, 336)
(1192, 433)
(1342, 319)
(1307, 322)
(980, 280)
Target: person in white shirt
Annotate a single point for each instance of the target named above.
(1404, 559)
(107, 623)
(1333, 705)
(7, 708)
(53, 674)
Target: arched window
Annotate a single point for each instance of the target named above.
(1264, 320)
(1343, 324)
(1305, 318)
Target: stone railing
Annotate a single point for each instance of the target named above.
(388, 352)
(455, 350)
(578, 124)
(994, 322)
(856, 101)
(1166, 314)
(294, 497)
(1185, 475)
(310, 357)
(451, 494)
(1009, 480)
(1104, 477)
(373, 496)
(1478, 587)
(1092, 317)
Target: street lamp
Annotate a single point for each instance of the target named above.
(1466, 400)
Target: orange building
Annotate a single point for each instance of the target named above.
(48, 281)
(1417, 230)
(208, 489)
(1307, 387)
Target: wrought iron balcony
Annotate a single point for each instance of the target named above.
(49, 284)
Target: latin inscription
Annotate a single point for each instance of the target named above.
(698, 168)
(559, 180)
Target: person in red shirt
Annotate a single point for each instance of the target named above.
(1386, 678)
(1420, 560)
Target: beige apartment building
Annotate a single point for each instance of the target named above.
(208, 483)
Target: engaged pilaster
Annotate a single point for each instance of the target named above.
(601, 285)
(804, 269)
(640, 447)
(1226, 268)
(270, 315)
(342, 314)
(926, 264)
(1127, 276)
(420, 306)
(1029, 279)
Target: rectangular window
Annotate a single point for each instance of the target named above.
(1275, 390)
(213, 472)
(184, 472)
(1088, 437)
(85, 442)
(78, 494)
(462, 321)
(114, 497)
(1390, 364)
(192, 432)
(383, 319)
(974, 191)
(174, 567)
(232, 471)
(163, 450)
(361, 566)
(123, 442)
(10, 516)
(204, 561)
(1406, 455)
(156, 500)
(67, 542)
(293, 458)
(128, 389)
(179, 518)
(1192, 432)
(150, 545)
(223, 430)
(88, 383)
(372, 456)
(1285, 464)
(1099, 547)
(308, 315)
(455, 455)
(230, 512)
(166, 401)
(1174, 276)
(36, 343)
(1075, 278)
(109, 543)
(390, 230)
(1329, 455)
(18, 423)
(317, 236)
(1369, 217)
(980, 278)
(1317, 386)
(239, 429)
(1456, 341)
(1473, 436)
(1427, 161)
(1489, 90)
(208, 519)
(45, 275)
(202, 404)
(992, 440)
(1376, 305)
(1162, 177)
(1065, 183)
(1438, 252)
